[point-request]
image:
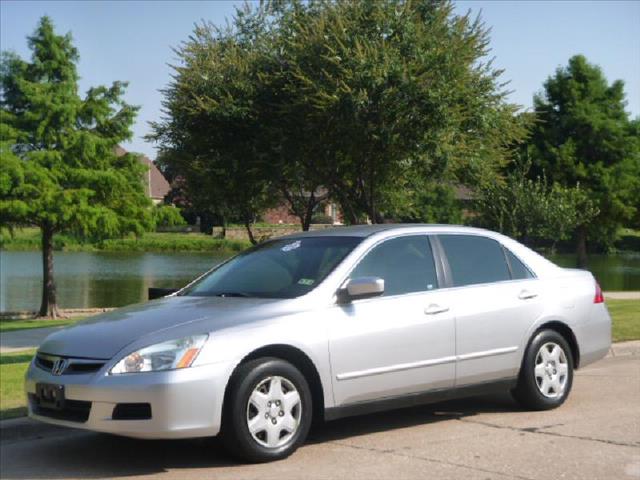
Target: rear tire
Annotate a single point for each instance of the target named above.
(268, 411)
(546, 375)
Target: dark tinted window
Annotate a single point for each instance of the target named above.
(405, 264)
(474, 259)
(284, 268)
(518, 270)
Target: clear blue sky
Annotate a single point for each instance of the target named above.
(132, 41)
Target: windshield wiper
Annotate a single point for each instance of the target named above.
(232, 294)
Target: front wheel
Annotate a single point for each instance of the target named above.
(268, 411)
(546, 375)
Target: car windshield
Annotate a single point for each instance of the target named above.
(282, 268)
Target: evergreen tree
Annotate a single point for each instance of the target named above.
(59, 170)
(584, 136)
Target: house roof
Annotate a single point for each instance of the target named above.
(157, 186)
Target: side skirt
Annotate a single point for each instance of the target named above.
(420, 398)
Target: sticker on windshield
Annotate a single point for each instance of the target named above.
(306, 281)
(291, 246)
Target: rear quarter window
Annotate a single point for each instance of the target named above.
(518, 270)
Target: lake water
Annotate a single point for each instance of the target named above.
(98, 279)
(115, 279)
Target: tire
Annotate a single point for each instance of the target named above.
(546, 375)
(263, 418)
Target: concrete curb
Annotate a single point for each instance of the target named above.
(622, 349)
(626, 295)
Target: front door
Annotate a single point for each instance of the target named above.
(401, 342)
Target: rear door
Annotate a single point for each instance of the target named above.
(401, 342)
(495, 299)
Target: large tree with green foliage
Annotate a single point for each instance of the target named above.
(367, 99)
(394, 91)
(211, 135)
(59, 170)
(584, 135)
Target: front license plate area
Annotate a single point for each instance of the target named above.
(50, 396)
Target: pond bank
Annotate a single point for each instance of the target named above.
(28, 239)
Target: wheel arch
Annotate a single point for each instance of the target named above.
(567, 333)
(298, 359)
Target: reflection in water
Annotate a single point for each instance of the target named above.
(115, 279)
(97, 279)
(613, 272)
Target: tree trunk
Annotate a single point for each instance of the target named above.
(252, 239)
(581, 246)
(308, 212)
(49, 306)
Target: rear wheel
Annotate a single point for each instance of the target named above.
(546, 375)
(268, 411)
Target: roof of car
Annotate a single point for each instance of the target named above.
(368, 230)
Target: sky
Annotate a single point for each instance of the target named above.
(133, 41)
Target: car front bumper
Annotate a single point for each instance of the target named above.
(184, 403)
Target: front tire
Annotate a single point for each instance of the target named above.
(268, 410)
(546, 376)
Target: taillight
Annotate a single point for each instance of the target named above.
(599, 298)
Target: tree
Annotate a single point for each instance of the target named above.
(59, 168)
(583, 135)
(531, 210)
(393, 92)
(211, 133)
(359, 101)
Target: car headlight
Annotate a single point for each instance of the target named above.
(169, 355)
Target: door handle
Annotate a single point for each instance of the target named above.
(526, 295)
(434, 309)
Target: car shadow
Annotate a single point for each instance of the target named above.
(78, 454)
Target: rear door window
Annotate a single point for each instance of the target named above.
(474, 259)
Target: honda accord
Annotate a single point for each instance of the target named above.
(322, 325)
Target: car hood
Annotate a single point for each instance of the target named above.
(103, 336)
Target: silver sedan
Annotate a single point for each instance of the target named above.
(322, 325)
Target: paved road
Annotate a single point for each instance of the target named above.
(595, 435)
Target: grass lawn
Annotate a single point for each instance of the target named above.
(11, 324)
(27, 239)
(625, 315)
(626, 319)
(12, 369)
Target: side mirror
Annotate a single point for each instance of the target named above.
(363, 287)
(154, 293)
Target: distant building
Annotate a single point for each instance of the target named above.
(156, 186)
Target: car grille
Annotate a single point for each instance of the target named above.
(72, 411)
(70, 366)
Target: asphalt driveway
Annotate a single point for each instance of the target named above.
(596, 434)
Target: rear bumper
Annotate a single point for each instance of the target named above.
(594, 336)
(184, 403)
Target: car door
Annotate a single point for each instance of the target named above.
(400, 342)
(495, 299)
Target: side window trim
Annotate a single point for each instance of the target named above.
(506, 259)
(443, 271)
